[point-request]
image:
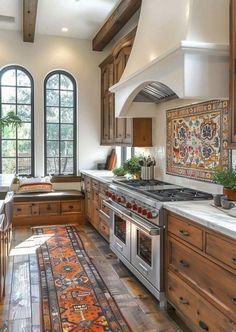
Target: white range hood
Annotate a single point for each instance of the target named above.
(180, 52)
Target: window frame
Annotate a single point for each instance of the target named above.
(67, 74)
(23, 69)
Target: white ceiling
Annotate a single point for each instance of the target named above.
(83, 18)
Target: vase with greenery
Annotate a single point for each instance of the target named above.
(132, 166)
(227, 178)
(119, 171)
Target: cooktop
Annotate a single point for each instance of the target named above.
(163, 191)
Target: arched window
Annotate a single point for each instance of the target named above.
(60, 123)
(16, 95)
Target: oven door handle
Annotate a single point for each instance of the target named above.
(153, 231)
(110, 206)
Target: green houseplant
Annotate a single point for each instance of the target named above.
(227, 178)
(132, 166)
(119, 171)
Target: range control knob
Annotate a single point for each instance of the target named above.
(119, 199)
(144, 212)
(135, 207)
(149, 215)
(128, 205)
(109, 194)
(140, 209)
(113, 196)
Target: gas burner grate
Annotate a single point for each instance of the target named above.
(183, 194)
(141, 183)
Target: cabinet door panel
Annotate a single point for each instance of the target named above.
(49, 208)
(107, 132)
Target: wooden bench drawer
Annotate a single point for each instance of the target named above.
(186, 231)
(71, 207)
(209, 278)
(222, 250)
(22, 210)
(200, 312)
(49, 208)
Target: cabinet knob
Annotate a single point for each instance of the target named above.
(183, 301)
(183, 232)
(234, 260)
(234, 300)
(18, 209)
(49, 207)
(71, 206)
(183, 263)
(203, 325)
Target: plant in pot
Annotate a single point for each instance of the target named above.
(132, 167)
(227, 178)
(119, 171)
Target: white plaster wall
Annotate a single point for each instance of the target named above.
(75, 56)
(159, 152)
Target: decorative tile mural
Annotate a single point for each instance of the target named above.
(197, 137)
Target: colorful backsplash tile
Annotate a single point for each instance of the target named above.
(197, 137)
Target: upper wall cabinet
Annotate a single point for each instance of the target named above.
(118, 131)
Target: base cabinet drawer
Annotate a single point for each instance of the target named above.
(201, 314)
(221, 249)
(71, 207)
(211, 279)
(49, 208)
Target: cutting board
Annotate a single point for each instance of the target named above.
(112, 160)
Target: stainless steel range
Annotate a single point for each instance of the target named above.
(137, 226)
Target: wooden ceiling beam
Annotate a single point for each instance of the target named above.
(29, 19)
(115, 23)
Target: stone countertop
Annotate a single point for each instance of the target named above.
(1, 205)
(6, 182)
(205, 214)
(103, 175)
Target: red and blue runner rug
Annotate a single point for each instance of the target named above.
(74, 297)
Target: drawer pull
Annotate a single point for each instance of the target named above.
(183, 232)
(234, 260)
(203, 325)
(71, 206)
(48, 207)
(18, 209)
(234, 300)
(183, 263)
(183, 301)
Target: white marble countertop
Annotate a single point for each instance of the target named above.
(1, 205)
(6, 182)
(205, 214)
(100, 175)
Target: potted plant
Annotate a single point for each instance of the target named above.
(133, 167)
(119, 171)
(227, 178)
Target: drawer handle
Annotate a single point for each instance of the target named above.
(183, 263)
(183, 301)
(71, 206)
(234, 300)
(18, 209)
(203, 325)
(183, 232)
(48, 207)
(234, 260)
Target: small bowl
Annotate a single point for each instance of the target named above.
(232, 212)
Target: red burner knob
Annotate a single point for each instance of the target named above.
(113, 197)
(135, 207)
(149, 215)
(128, 205)
(119, 199)
(109, 194)
(140, 209)
(144, 212)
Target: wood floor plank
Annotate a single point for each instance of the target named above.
(20, 325)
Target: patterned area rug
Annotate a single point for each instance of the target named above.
(74, 297)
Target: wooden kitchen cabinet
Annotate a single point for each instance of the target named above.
(96, 212)
(200, 275)
(120, 131)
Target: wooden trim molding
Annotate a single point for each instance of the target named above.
(29, 19)
(232, 69)
(121, 15)
(66, 178)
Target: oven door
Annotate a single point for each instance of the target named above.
(119, 233)
(146, 254)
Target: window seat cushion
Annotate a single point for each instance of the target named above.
(57, 195)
